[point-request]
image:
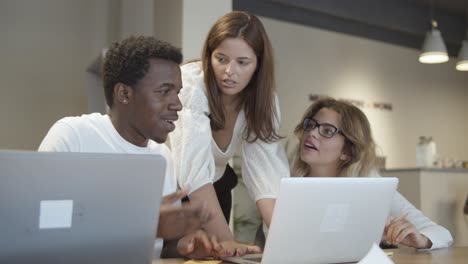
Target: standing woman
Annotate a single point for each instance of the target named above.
(335, 140)
(230, 105)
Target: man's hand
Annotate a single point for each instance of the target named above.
(176, 220)
(400, 231)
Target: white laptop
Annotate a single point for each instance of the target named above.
(325, 220)
(79, 207)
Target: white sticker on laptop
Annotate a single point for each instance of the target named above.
(335, 217)
(55, 214)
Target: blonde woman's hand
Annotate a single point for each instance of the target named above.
(398, 230)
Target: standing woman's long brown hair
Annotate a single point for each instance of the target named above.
(258, 98)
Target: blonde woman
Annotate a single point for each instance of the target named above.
(336, 141)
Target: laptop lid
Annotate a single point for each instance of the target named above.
(79, 207)
(326, 220)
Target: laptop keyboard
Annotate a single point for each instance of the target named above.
(254, 259)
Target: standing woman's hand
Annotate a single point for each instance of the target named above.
(199, 245)
(234, 248)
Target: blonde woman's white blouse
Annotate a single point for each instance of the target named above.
(439, 235)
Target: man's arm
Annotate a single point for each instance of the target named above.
(177, 220)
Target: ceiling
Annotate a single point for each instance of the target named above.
(400, 22)
(453, 6)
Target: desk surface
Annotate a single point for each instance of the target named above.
(456, 255)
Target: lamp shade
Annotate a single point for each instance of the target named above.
(433, 49)
(462, 64)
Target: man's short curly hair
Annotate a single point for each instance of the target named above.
(127, 61)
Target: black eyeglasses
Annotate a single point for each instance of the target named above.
(325, 130)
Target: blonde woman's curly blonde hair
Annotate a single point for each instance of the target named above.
(359, 144)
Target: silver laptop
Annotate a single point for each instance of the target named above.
(325, 220)
(79, 207)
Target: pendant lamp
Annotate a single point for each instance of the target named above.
(433, 49)
(462, 63)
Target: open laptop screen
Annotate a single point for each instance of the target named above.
(326, 220)
(79, 207)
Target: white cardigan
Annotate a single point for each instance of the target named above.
(199, 161)
(439, 235)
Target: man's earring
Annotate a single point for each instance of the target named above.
(344, 157)
(125, 101)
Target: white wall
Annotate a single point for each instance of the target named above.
(137, 17)
(45, 48)
(168, 21)
(198, 17)
(429, 100)
(185, 23)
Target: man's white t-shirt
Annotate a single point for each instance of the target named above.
(95, 133)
